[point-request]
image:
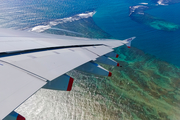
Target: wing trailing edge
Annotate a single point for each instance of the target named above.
(30, 61)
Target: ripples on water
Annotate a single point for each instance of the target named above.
(144, 88)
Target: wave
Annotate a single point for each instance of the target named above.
(137, 13)
(167, 2)
(141, 7)
(49, 25)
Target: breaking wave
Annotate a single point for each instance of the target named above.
(49, 25)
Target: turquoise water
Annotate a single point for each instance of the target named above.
(146, 87)
(156, 27)
(156, 24)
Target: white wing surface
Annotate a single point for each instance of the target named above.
(16, 86)
(28, 61)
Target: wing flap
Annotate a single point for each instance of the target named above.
(53, 63)
(15, 87)
(99, 50)
(113, 43)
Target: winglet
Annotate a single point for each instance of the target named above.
(128, 41)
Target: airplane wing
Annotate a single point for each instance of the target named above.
(30, 61)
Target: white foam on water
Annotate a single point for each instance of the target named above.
(41, 28)
(161, 2)
(144, 3)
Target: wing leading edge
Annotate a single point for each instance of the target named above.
(30, 61)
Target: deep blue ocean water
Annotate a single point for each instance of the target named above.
(155, 23)
(114, 18)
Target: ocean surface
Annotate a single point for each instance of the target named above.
(145, 88)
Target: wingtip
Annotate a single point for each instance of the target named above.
(128, 46)
(117, 56)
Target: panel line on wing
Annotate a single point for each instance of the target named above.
(28, 72)
(12, 53)
(15, 87)
(50, 63)
(91, 51)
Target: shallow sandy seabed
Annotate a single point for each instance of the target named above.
(144, 88)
